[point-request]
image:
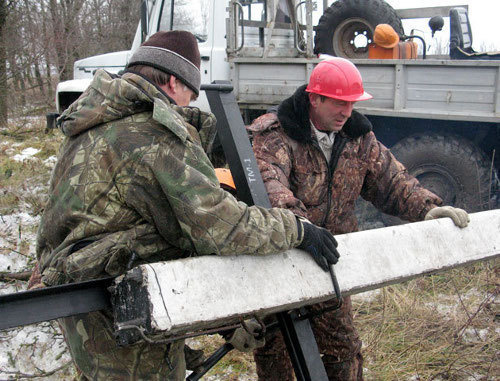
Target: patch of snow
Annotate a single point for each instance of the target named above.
(14, 233)
(26, 154)
(22, 217)
(11, 261)
(33, 349)
(50, 161)
(368, 296)
(476, 377)
(10, 288)
(450, 305)
(471, 335)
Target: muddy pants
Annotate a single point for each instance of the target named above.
(98, 357)
(338, 343)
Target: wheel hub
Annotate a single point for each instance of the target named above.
(439, 181)
(352, 37)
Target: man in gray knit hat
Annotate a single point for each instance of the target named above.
(171, 60)
(134, 185)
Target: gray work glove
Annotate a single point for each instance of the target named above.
(459, 216)
(320, 243)
(246, 340)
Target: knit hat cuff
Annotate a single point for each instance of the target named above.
(169, 62)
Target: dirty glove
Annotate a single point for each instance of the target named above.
(459, 216)
(249, 338)
(320, 243)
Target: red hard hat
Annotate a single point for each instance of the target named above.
(337, 78)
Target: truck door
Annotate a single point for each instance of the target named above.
(195, 16)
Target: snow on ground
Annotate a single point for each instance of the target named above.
(15, 230)
(366, 297)
(33, 349)
(472, 335)
(50, 161)
(26, 154)
(450, 305)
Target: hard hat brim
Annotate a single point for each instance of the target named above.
(348, 98)
(354, 98)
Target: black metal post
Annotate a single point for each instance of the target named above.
(298, 335)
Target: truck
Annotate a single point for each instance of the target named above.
(439, 116)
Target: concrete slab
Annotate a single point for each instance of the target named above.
(205, 292)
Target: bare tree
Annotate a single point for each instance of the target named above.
(3, 64)
(65, 16)
(47, 36)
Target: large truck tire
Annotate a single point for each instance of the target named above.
(450, 166)
(347, 21)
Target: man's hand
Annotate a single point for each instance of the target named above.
(320, 243)
(459, 216)
(246, 339)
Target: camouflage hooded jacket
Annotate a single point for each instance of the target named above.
(133, 184)
(298, 176)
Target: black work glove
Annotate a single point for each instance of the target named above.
(320, 243)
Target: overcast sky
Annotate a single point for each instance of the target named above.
(483, 16)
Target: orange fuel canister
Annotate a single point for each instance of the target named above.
(403, 50)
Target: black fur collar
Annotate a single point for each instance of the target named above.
(293, 115)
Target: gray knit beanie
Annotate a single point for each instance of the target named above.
(174, 52)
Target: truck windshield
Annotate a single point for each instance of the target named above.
(190, 15)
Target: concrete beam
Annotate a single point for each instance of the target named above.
(204, 292)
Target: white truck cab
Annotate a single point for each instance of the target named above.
(206, 19)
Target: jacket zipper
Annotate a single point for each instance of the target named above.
(338, 147)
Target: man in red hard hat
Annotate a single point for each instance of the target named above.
(317, 156)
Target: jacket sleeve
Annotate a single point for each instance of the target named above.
(390, 187)
(274, 158)
(190, 210)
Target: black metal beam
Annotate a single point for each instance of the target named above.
(29, 307)
(298, 335)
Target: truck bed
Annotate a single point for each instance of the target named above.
(431, 89)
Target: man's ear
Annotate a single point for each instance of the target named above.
(313, 99)
(172, 84)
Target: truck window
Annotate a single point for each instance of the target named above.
(190, 15)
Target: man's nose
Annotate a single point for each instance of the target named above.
(347, 109)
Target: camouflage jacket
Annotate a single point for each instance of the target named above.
(133, 184)
(298, 176)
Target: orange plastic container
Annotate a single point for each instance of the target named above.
(403, 50)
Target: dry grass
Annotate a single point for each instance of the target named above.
(23, 184)
(234, 366)
(441, 327)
